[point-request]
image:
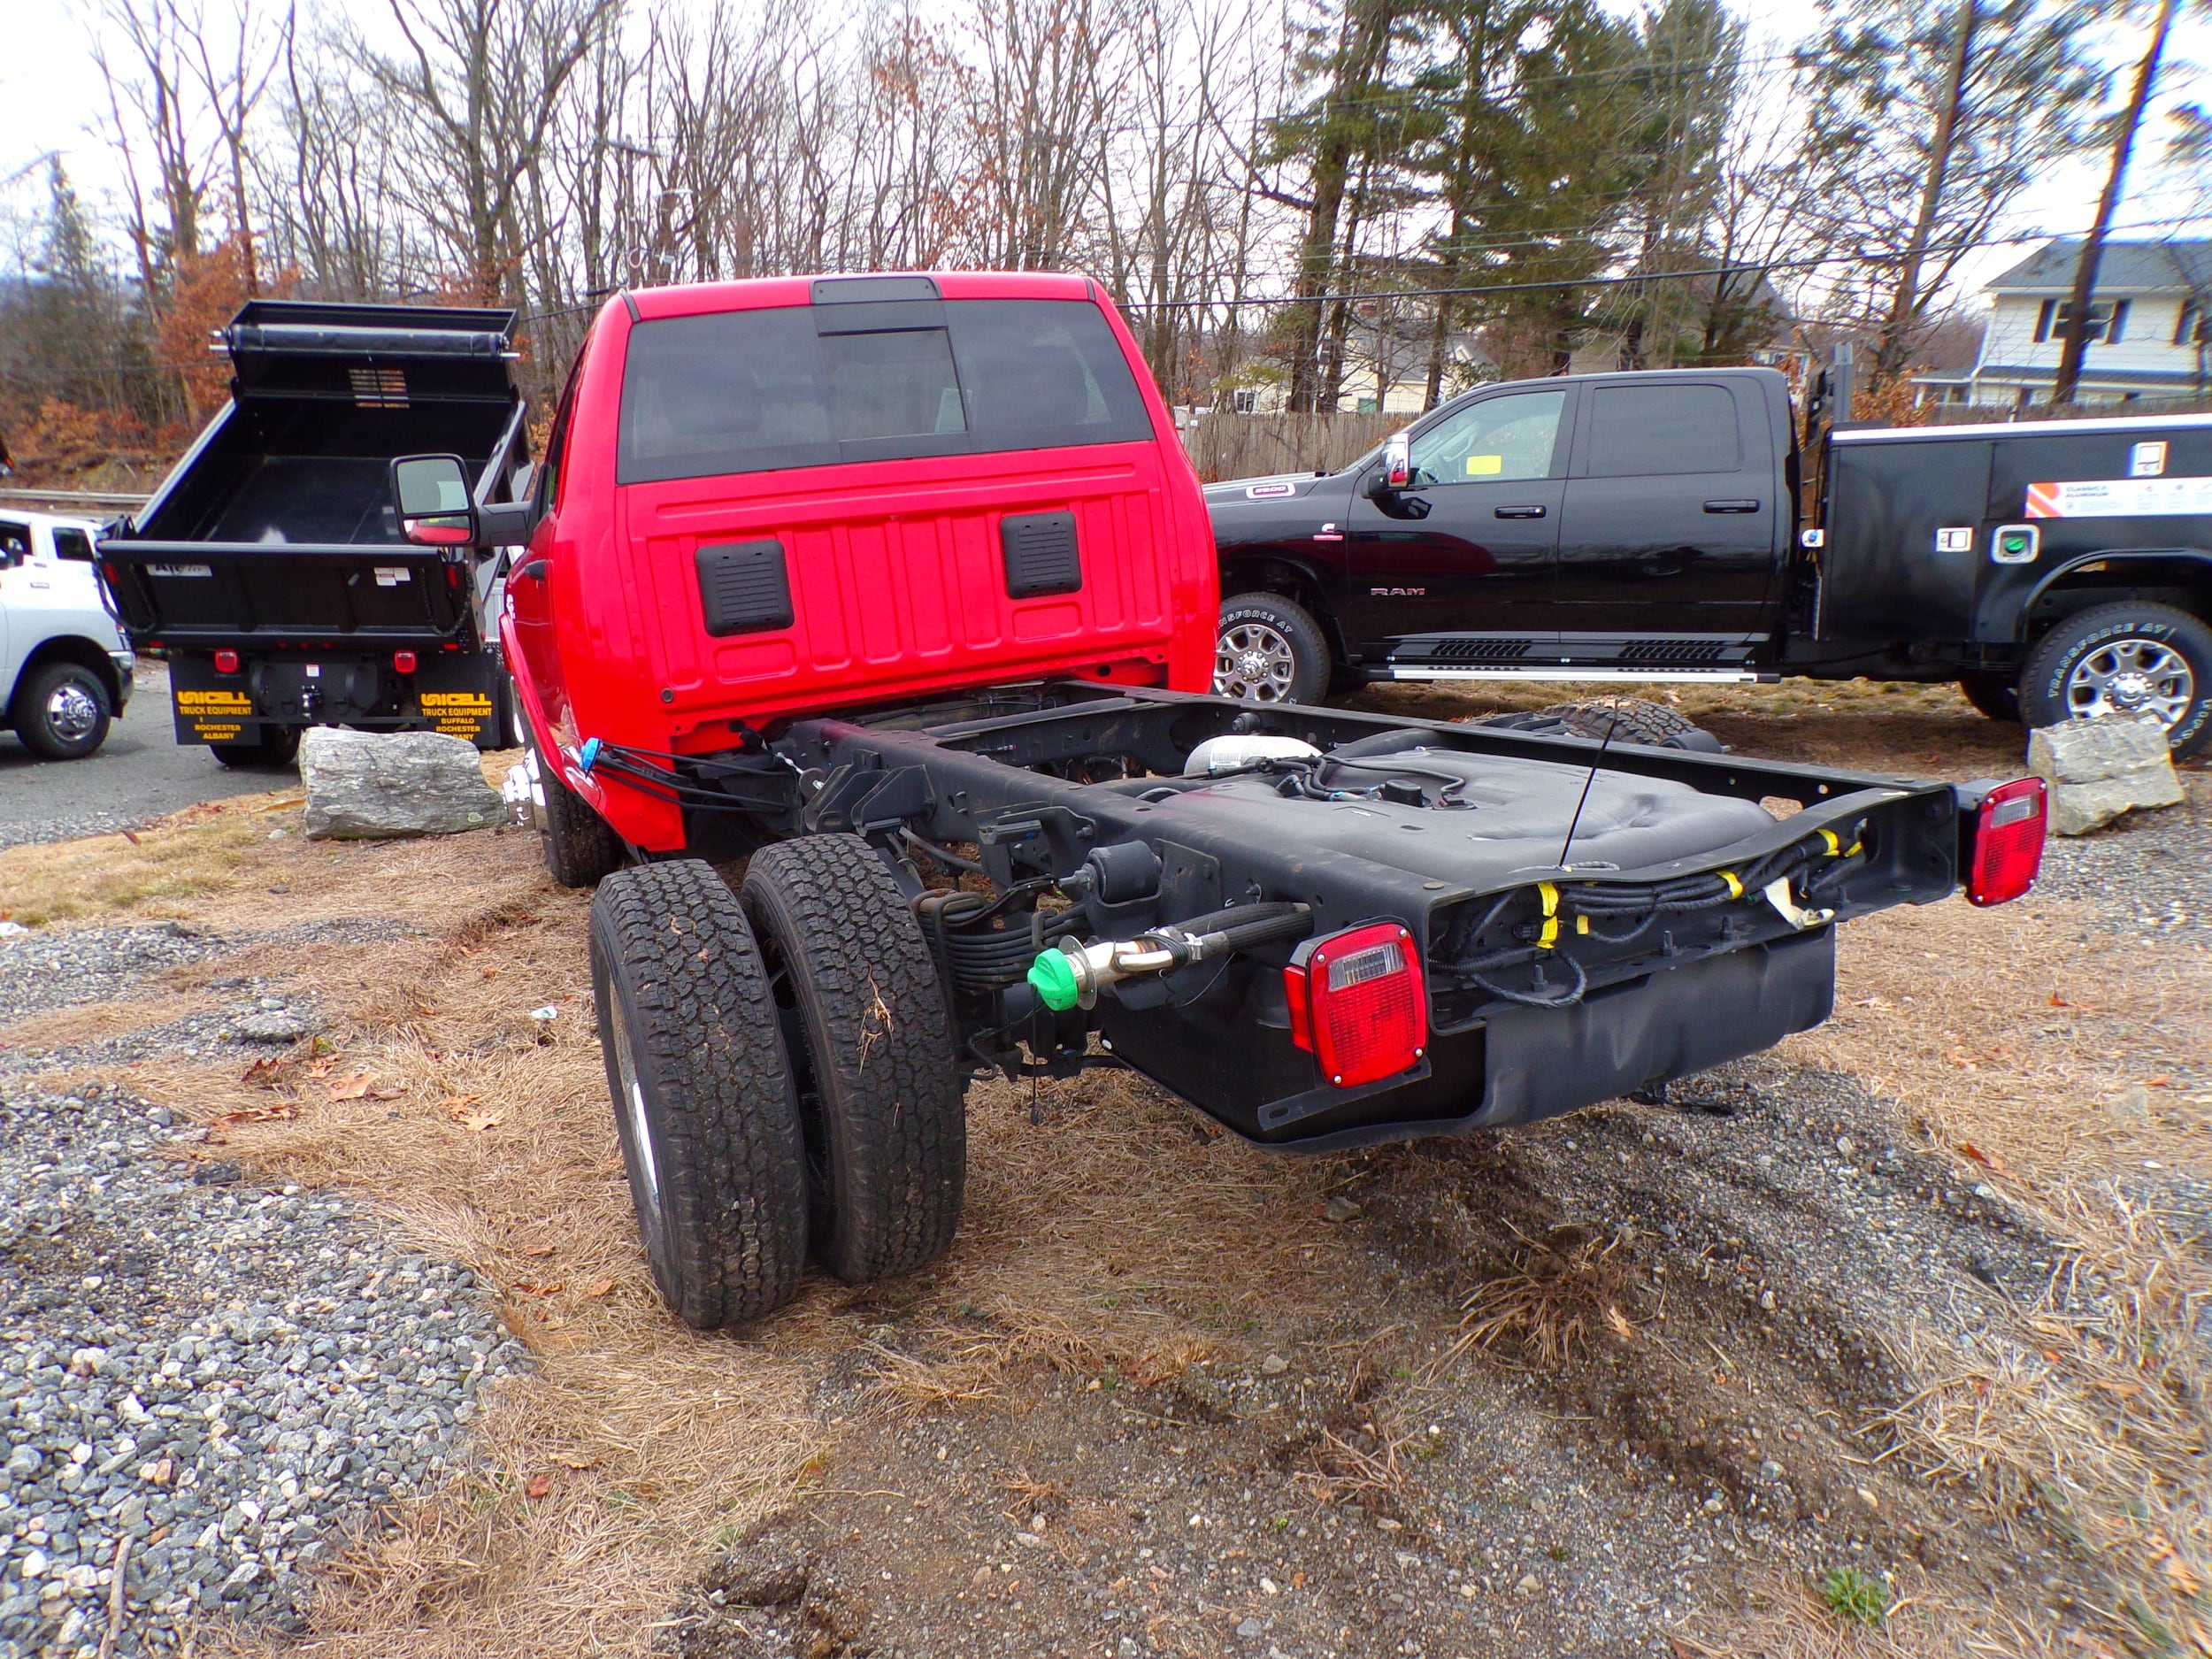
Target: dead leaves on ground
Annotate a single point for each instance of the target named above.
(465, 1109)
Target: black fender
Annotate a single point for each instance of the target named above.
(1295, 575)
(2190, 567)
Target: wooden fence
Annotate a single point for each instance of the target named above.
(1251, 446)
(1972, 414)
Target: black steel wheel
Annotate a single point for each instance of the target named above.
(866, 1024)
(2131, 657)
(61, 711)
(1995, 695)
(704, 1102)
(580, 850)
(1269, 649)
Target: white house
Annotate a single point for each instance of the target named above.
(2150, 322)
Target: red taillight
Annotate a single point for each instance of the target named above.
(1357, 1004)
(404, 662)
(226, 661)
(2007, 841)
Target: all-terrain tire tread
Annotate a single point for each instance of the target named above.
(1631, 719)
(892, 1098)
(580, 850)
(732, 1162)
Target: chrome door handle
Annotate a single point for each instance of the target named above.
(1535, 512)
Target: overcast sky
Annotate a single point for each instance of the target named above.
(50, 95)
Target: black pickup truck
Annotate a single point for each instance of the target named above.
(269, 568)
(1646, 526)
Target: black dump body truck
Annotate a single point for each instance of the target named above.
(1647, 528)
(270, 567)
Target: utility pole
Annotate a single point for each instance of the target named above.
(2069, 362)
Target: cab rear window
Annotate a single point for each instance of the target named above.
(819, 385)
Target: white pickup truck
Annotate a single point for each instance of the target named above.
(64, 671)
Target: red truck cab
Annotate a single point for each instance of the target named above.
(790, 496)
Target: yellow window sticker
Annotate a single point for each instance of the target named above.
(1485, 465)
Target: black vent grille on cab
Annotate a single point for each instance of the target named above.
(744, 587)
(1041, 555)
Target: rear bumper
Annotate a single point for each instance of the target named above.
(1520, 1065)
(452, 692)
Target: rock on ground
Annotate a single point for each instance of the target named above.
(368, 786)
(2099, 769)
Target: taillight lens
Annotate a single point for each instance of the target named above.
(404, 662)
(226, 661)
(1357, 1004)
(2007, 841)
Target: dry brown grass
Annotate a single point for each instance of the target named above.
(1551, 1301)
(488, 1146)
(2051, 1078)
(151, 871)
(1784, 1618)
(1113, 1243)
(1871, 725)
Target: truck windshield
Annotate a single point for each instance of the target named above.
(761, 390)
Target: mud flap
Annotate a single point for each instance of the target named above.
(453, 692)
(457, 692)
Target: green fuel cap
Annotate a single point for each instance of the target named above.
(1053, 976)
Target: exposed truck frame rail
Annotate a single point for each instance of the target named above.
(1081, 794)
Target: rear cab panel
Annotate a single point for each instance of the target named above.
(780, 497)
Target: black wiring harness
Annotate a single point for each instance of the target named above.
(1573, 909)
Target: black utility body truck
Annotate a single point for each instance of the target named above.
(1646, 526)
(270, 567)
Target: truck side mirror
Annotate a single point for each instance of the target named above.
(1397, 468)
(432, 492)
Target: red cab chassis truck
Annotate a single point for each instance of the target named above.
(901, 589)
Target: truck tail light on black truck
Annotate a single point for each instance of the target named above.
(1646, 527)
(270, 566)
(902, 586)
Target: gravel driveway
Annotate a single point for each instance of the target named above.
(204, 1385)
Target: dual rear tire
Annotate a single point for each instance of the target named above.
(783, 1080)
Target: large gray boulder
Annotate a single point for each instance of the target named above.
(2099, 769)
(373, 785)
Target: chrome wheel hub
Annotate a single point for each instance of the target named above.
(1253, 661)
(2132, 676)
(72, 713)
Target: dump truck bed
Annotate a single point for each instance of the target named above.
(275, 547)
